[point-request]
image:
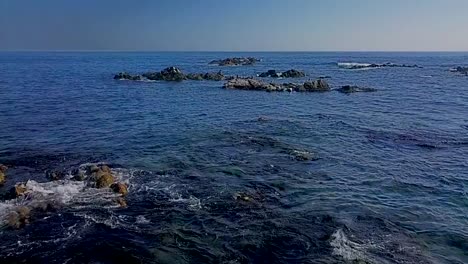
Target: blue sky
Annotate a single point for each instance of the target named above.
(240, 25)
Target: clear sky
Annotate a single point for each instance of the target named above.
(237, 25)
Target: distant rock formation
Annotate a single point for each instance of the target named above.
(287, 74)
(235, 61)
(461, 70)
(357, 66)
(171, 74)
(355, 89)
(254, 84)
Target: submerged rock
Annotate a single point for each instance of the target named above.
(19, 217)
(127, 76)
(355, 89)
(215, 76)
(302, 155)
(120, 188)
(55, 175)
(287, 74)
(121, 201)
(235, 61)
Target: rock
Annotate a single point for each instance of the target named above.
(293, 74)
(235, 61)
(55, 175)
(2, 178)
(105, 168)
(19, 190)
(92, 168)
(270, 73)
(78, 176)
(319, 85)
(262, 119)
(287, 74)
(242, 197)
(355, 89)
(104, 180)
(168, 74)
(3, 168)
(217, 76)
(127, 76)
(251, 84)
(19, 218)
(357, 66)
(195, 76)
(119, 188)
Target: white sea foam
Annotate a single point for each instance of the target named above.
(353, 65)
(345, 248)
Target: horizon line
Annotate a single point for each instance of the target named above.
(237, 51)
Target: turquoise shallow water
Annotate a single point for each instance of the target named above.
(389, 184)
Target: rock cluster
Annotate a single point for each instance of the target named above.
(319, 85)
(356, 66)
(236, 61)
(171, 74)
(287, 74)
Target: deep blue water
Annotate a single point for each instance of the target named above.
(390, 184)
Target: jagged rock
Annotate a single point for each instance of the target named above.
(319, 85)
(355, 89)
(287, 74)
(235, 61)
(270, 73)
(195, 76)
(251, 84)
(217, 76)
(127, 76)
(119, 188)
(357, 66)
(168, 74)
(254, 84)
(293, 74)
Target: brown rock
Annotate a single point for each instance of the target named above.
(19, 189)
(104, 180)
(19, 217)
(119, 188)
(2, 178)
(105, 168)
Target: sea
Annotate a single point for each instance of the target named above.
(219, 175)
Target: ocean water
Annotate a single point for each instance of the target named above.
(211, 183)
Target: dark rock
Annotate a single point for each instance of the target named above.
(2, 178)
(319, 85)
(121, 201)
(287, 74)
(168, 74)
(19, 218)
(92, 168)
(18, 190)
(217, 76)
(356, 66)
(251, 84)
(120, 188)
(293, 74)
(355, 89)
(127, 76)
(195, 76)
(302, 155)
(105, 168)
(235, 61)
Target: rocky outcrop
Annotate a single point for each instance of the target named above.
(18, 190)
(461, 70)
(254, 84)
(354, 89)
(236, 61)
(55, 175)
(127, 76)
(171, 74)
(103, 177)
(287, 74)
(19, 217)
